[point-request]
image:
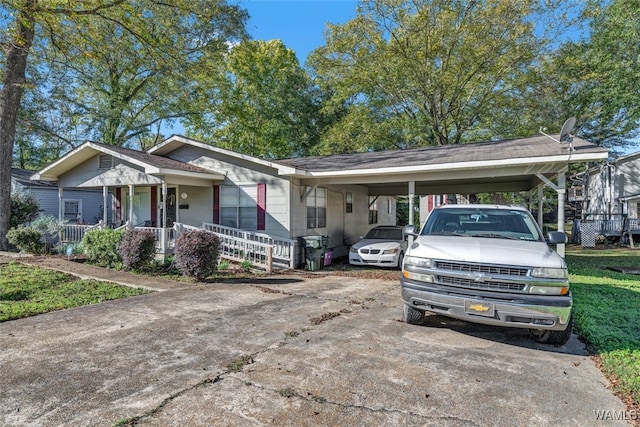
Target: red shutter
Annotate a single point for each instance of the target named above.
(154, 206)
(216, 204)
(262, 207)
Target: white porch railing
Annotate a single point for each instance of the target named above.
(284, 250)
(238, 249)
(73, 233)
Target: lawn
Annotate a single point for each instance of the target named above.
(27, 291)
(607, 313)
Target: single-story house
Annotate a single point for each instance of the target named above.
(189, 182)
(77, 206)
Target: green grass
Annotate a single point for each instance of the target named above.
(27, 291)
(607, 312)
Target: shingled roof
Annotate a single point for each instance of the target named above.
(533, 147)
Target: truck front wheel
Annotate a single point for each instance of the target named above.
(412, 316)
(553, 337)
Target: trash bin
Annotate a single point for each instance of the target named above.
(327, 257)
(314, 250)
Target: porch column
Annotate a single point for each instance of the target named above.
(60, 206)
(131, 205)
(163, 239)
(105, 197)
(561, 195)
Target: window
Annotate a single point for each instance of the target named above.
(373, 209)
(72, 210)
(243, 206)
(348, 202)
(316, 208)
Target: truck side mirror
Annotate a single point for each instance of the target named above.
(410, 230)
(556, 237)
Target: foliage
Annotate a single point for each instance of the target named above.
(26, 239)
(130, 65)
(196, 253)
(102, 246)
(606, 310)
(27, 291)
(264, 104)
(49, 228)
(408, 74)
(137, 248)
(24, 208)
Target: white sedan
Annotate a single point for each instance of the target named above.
(383, 246)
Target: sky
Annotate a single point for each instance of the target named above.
(300, 24)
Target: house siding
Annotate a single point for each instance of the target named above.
(240, 173)
(92, 202)
(611, 183)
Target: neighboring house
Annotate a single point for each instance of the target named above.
(614, 188)
(77, 205)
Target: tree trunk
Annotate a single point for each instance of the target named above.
(14, 82)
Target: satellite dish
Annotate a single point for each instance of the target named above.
(567, 127)
(565, 133)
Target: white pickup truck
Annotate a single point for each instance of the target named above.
(488, 264)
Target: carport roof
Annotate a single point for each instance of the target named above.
(496, 166)
(537, 147)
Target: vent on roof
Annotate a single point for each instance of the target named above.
(106, 161)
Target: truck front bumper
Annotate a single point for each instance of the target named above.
(513, 310)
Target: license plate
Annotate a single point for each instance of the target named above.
(479, 308)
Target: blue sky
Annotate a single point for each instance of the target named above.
(300, 24)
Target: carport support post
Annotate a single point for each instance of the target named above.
(561, 194)
(540, 204)
(412, 191)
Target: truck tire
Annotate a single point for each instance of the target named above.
(553, 337)
(412, 316)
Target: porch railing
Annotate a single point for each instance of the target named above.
(73, 233)
(284, 250)
(235, 248)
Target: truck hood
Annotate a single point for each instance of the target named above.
(484, 250)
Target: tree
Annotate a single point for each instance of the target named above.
(599, 77)
(410, 73)
(264, 105)
(120, 51)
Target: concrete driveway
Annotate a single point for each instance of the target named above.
(325, 350)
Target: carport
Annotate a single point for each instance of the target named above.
(527, 164)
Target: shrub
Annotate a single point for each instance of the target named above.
(26, 239)
(196, 253)
(49, 228)
(137, 248)
(101, 246)
(24, 208)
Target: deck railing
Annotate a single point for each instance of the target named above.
(284, 250)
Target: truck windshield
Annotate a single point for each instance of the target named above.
(482, 222)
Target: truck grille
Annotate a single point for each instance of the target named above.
(491, 285)
(480, 268)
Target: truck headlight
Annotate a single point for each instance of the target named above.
(549, 290)
(428, 278)
(550, 273)
(418, 262)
